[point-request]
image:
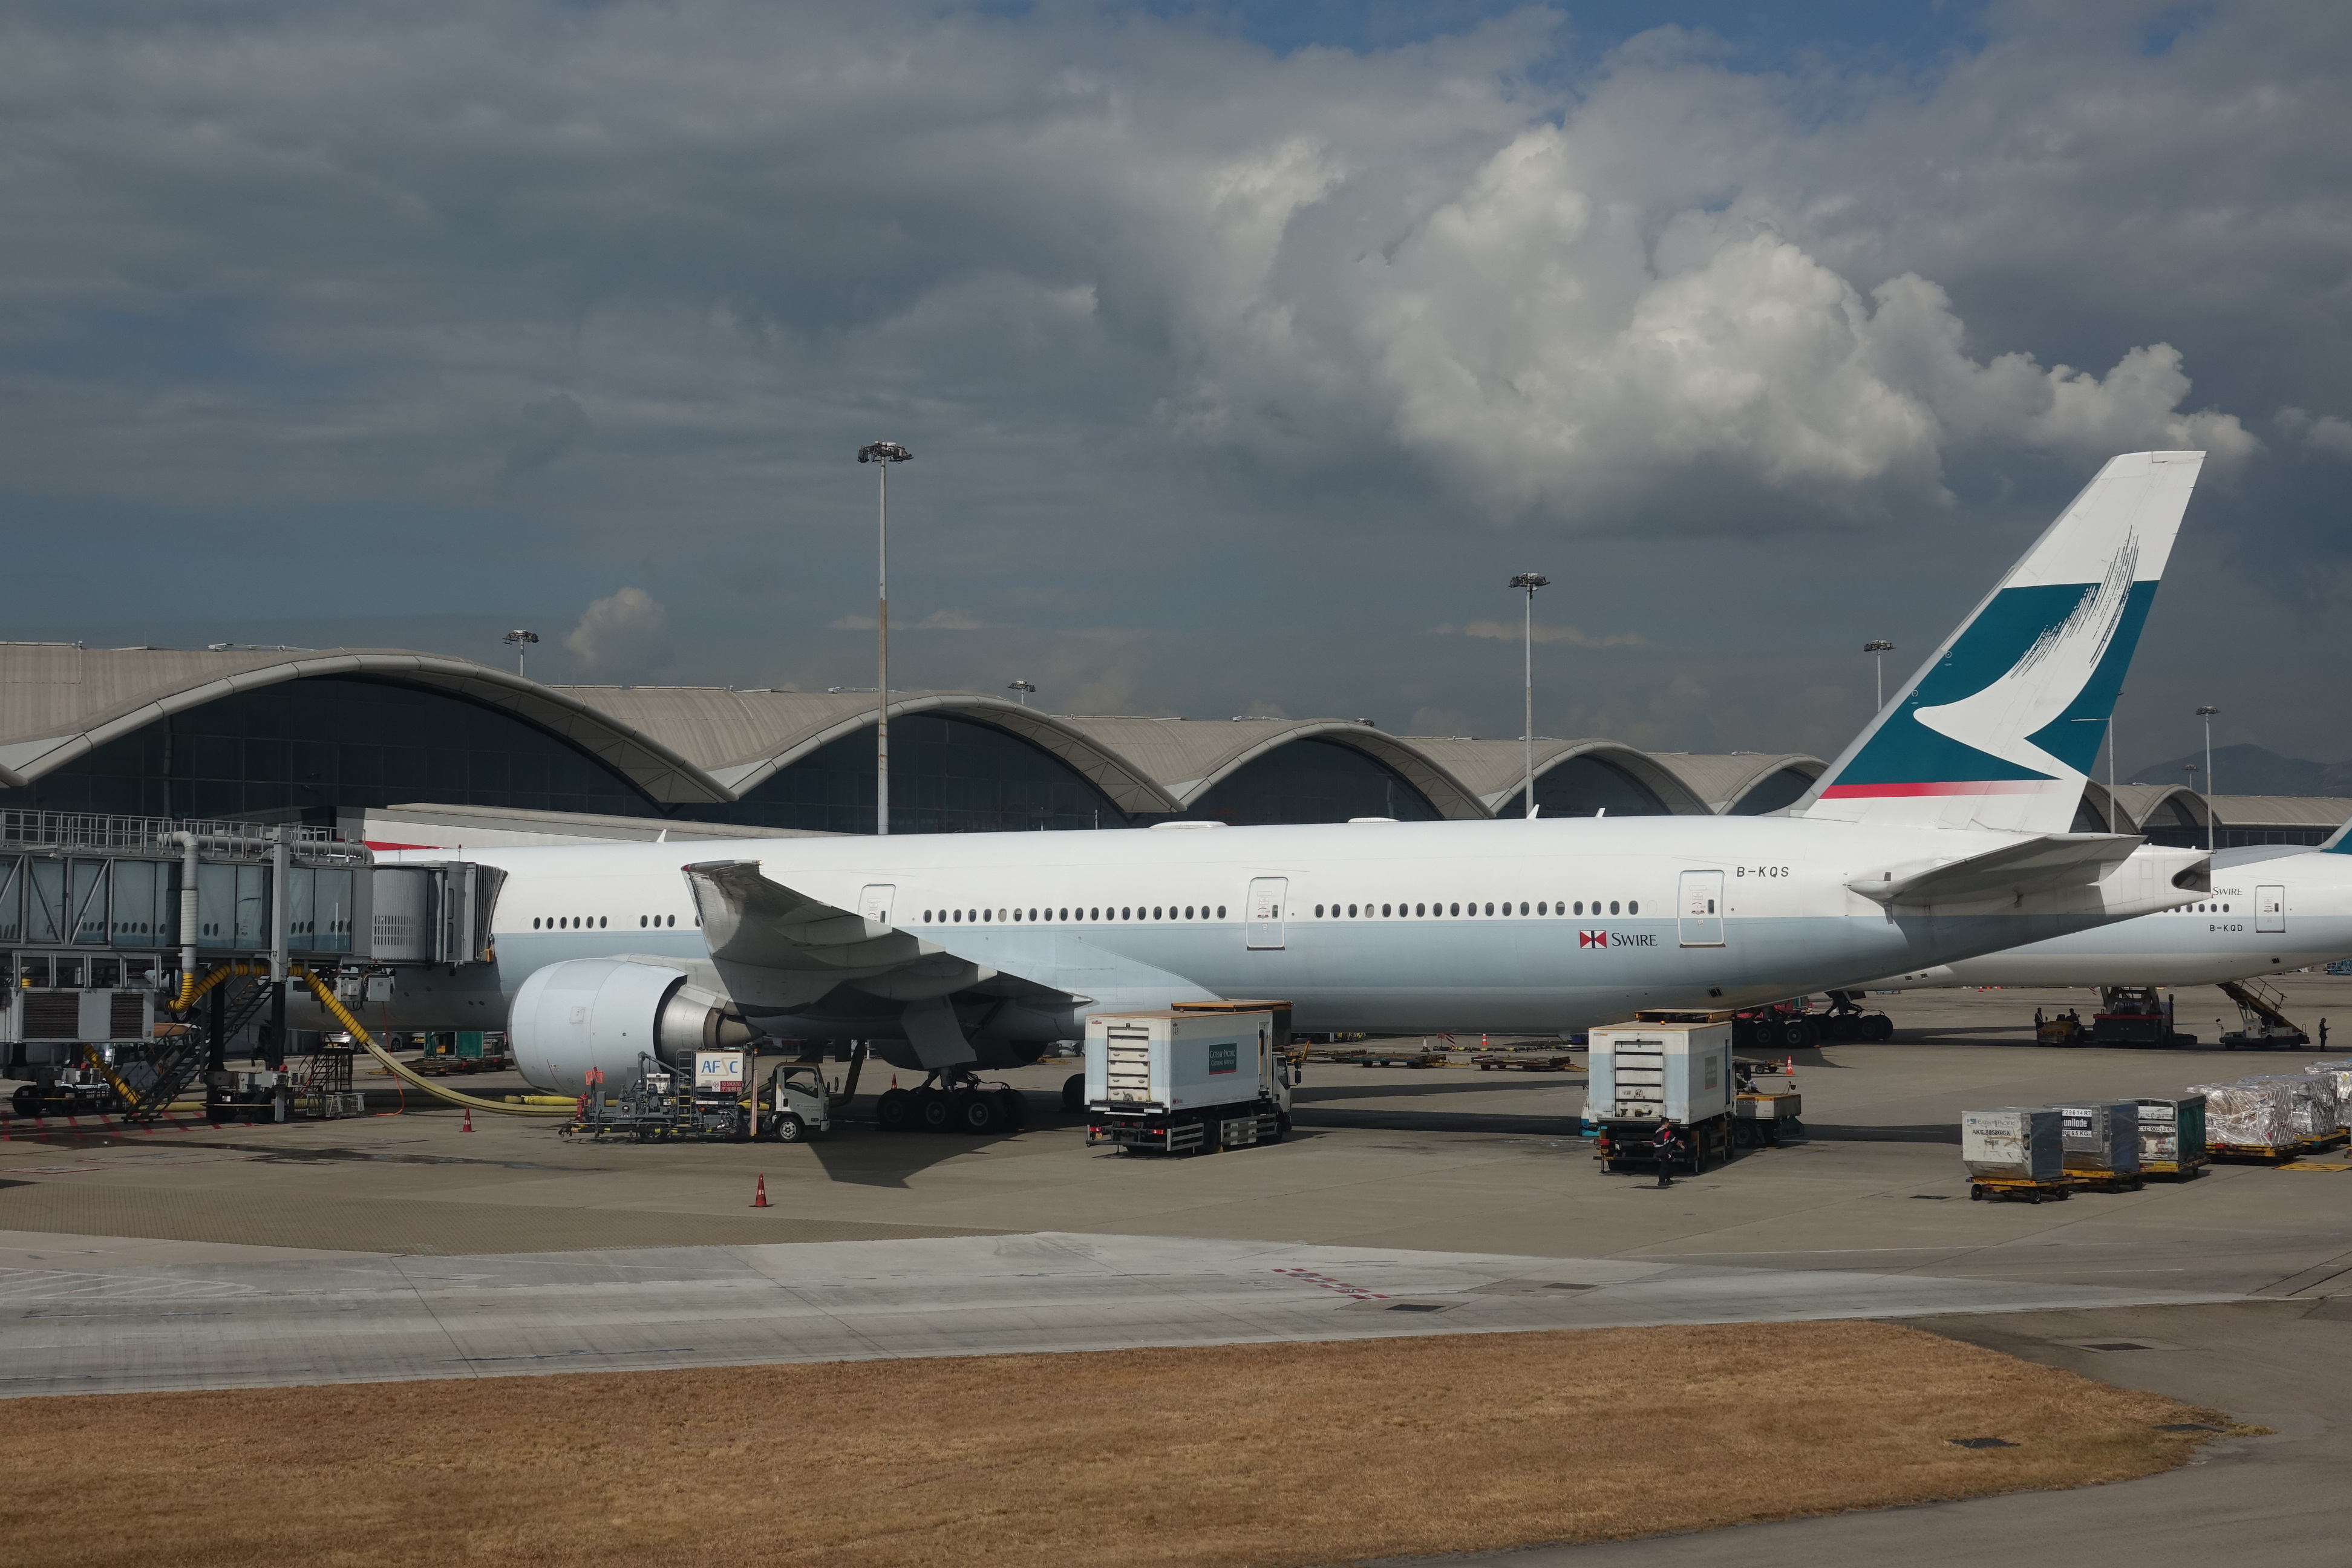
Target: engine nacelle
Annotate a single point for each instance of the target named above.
(604, 1013)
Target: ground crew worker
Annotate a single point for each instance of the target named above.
(1662, 1143)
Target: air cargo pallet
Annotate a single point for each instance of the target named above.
(1499, 1061)
(1997, 1189)
(2176, 1170)
(2322, 1143)
(1393, 1058)
(2106, 1181)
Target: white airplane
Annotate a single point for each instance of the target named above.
(1940, 833)
(2270, 907)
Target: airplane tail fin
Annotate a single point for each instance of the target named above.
(1999, 729)
(2338, 842)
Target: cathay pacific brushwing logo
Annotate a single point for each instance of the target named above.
(2001, 719)
(1593, 939)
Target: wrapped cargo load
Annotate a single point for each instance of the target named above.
(2013, 1143)
(2103, 1137)
(2172, 1133)
(2340, 1075)
(2311, 1102)
(2247, 1115)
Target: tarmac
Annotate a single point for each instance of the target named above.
(1406, 1202)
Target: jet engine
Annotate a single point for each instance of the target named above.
(604, 1013)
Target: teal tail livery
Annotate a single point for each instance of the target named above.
(1999, 729)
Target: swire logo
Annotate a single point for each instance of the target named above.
(1593, 939)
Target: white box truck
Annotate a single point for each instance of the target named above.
(1666, 1068)
(1185, 1082)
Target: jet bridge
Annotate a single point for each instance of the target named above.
(133, 949)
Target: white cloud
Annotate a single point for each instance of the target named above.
(2322, 432)
(627, 634)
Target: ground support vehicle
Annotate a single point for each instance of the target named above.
(66, 1091)
(2136, 1015)
(1185, 1082)
(1997, 1189)
(1517, 1061)
(249, 1095)
(1764, 1109)
(2261, 1025)
(953, 1100)
(1662, 1067)
(1416, 1058)
(464, 1051)
(659, 1105)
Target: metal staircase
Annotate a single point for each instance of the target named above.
(147, 1089)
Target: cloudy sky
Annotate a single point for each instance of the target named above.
(1246, 350)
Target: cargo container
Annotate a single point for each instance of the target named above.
(1658, 1068)
(2340, 1073)
(1185, 1082)
(2250, 1120)
(2172, 1136)
(2099, 1143)
(2013, 1143)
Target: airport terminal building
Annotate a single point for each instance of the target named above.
(382, 742)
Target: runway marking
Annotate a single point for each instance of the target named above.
(1310, 1277)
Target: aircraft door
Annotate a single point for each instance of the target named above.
(1700, 918)
(2270, 909)
(1265, 896)
(874, 902)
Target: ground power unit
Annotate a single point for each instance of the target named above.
(1185, 1082)
(1675, 1070)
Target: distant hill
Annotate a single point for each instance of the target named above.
(2253, 769)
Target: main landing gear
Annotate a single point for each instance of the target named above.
(953, 1100)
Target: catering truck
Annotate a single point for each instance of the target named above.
(1662, 1068)
(1185, 1082)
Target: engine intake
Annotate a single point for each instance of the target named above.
(604, 1013)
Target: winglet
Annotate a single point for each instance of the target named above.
(1999, 729)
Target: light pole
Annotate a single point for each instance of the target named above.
(1881, 647)
(2206, 715)
(1530, 581)
(1024, 688)
(882, 454)
(519, 641)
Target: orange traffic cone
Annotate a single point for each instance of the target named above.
(760, 1193)
(893, 1080)
(469, 1121)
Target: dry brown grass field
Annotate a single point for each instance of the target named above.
(1259, 1455)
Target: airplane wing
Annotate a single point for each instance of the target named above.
(2054, 864)
(775, 949)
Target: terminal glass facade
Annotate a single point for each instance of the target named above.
(1768, 794)
(1582, 786)
(947, 775)
(298, 750)
(1312, 780)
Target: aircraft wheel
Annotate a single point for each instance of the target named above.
(893, 1110)
(977, 1113)
(1011, 1109)
(1074, 1091)
(934, 1111)
(1881, 1028)
(27, 1099)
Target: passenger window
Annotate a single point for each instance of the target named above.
(1221, 912)
(1125, 914)
(1612, 906)
(1544, 907)
(1351, 912)
(1187, 911)
(1580, 906)
(1384, 912)
(1632, 908)
(1319, 911)
(1457, 908)
(958, 918)
(1490, 908)
(1421, 909)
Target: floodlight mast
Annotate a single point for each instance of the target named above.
(882, 454)
(519, 641)
(1027, 689)
(1881, 647)
(1530, 581)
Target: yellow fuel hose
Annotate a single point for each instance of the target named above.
(325, 996)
